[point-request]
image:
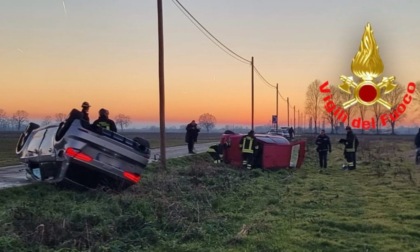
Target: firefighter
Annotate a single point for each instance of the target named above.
(323, 147)
(216, 152)
(350, 147)
(249, 146)
(85, 111)
(104, 122)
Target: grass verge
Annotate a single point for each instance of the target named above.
(198, 206)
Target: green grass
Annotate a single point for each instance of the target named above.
(198, 206)
(9, 141)
(7, 148)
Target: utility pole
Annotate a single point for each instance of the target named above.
(288, 112)
(294, 117)
(252, 84)
(298, 118)
(277, 107)
(161, 88)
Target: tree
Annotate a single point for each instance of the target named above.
(207, 121)
(416, 97)
(19, 118)
(378, 109)
(60, 117)
(47, 120)
(331, 118)
(3, 119)
(351, 111)
(313, 101)
(362, 110)
(122, 120)
(395, 98)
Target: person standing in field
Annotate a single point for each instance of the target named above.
(291, 133)
(417, 143)
(191, 136)
(350, 148)
(85, 111)
(323, 147)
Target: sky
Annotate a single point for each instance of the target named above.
(56, 54)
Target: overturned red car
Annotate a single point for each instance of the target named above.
(274, 152)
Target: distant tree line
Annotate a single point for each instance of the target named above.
(16, 121)
(20, 119)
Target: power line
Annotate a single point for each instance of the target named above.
(207, 34)
(262, 77)
(219, 44)
(268, 83)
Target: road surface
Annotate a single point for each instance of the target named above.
(12, 176)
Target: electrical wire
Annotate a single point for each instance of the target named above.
(207, 34)
(219, 44)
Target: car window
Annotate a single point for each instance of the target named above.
(35, 141)
(47, 143)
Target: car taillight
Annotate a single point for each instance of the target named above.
(134, 177)
(78, 155)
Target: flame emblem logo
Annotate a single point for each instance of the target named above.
(367, 65)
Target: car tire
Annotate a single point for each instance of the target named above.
(141, 145)
(24, 136)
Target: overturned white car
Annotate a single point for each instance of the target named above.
(73, 151)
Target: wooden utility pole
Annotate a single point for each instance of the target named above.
(277, 107)
(298, 119)
(294, 117)
(161, 88)
(252, 96)
(288, 125)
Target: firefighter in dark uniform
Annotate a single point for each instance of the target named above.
(350, 147)
(249, 146)
(216, 151)
(417, 143)
(104, 122)
(323, 147)
(85, 111)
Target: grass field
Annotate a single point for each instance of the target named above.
(198, 206)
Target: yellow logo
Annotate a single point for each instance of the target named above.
(367, 65)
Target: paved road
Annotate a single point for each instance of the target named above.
(12, 176)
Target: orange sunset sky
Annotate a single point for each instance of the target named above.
(56, 54)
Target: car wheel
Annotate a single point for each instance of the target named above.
(141, 145)
(24, 136)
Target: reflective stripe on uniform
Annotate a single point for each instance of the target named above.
(247, 145)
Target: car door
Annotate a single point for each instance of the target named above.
(46, 152)
(32, 151)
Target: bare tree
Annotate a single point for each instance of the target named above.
(19, 118)
(122, 120)
(313, 101)
(362, 111)
(47, 120)
(60, 117)
(329, 116)
(395, 98)
(378, 110)
(3, 119)
(207, 121)
(352, 110)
